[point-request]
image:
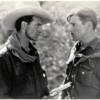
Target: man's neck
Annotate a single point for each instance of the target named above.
(88, 38)
(24, 41)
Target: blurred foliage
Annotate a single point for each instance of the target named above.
(53, 47)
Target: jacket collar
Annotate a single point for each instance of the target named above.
(93, 44)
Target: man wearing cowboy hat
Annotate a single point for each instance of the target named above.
(21, 75)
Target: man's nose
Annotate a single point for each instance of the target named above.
(40, 28)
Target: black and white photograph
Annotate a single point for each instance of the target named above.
(49, 49)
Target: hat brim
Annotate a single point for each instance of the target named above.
(10, 19)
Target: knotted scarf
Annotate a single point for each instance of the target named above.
(14, 44)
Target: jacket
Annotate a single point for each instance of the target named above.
(85, 72)
(20, 80)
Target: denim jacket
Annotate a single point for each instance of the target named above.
(85, 72)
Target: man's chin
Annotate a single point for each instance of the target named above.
(74, 39)
(34, 40)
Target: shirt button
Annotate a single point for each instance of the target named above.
(44, 75)
(83, 73)
(72, 76)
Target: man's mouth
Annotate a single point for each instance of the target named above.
(72, 34)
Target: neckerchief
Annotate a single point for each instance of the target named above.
(14, 45)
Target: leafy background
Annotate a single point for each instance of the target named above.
(55, 42)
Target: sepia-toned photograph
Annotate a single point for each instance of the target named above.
(49, 49)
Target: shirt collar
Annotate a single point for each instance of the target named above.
(92, 44)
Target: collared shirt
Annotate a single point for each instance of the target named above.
(87, 80)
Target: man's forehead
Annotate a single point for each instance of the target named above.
(39, 20)
(74, 18)
(36, 18)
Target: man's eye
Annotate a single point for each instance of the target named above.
(73, 24)
(39, 24)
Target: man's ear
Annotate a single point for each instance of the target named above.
(23, 26)
(89, 25)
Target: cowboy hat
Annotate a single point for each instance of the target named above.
(10, 19)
